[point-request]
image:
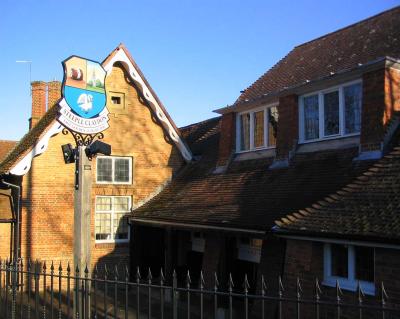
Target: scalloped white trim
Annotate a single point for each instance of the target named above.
(23, 166)
(121, 56)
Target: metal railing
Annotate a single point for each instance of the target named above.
(36, 290)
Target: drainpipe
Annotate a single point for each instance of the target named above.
(18, 219)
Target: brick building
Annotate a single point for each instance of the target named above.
(323, 117)
(147, 151)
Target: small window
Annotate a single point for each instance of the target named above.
(114, 170)
(331, 113)
(349, 265)
(257, 129)
(115, 99)
(111, 222)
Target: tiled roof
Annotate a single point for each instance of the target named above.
(366, 208)
(248, 195)
(363, 42)
(5, 148)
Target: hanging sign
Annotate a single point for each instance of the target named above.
(83, 107)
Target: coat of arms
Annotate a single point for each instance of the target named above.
(83, 107)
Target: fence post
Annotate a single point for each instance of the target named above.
(174, 296)
(14, 288)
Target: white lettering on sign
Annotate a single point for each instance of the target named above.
(79, 124)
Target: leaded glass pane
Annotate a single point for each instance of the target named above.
(352, 108)
(245, 132)
(103, 204)
(120, 230)
(272, 125)
(311, 117)
(103, 226)
(104, 170)
(259, 129)
(331, 113)
(121, 204)
(121, 170)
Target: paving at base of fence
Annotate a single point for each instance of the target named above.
(37, 291)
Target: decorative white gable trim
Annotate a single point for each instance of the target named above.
(121, 57)
(23, 166)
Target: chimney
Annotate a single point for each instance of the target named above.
(53, 93)
(38, 102)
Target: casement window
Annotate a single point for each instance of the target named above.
(256, 129)
(330, 113)
(349, 265)
(114, 170)
(111, 221)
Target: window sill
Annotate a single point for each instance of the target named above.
(256, 150)
(335, 137)
(367, 287)
(111, 244)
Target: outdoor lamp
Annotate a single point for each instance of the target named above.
(68, 153)
(98, 147)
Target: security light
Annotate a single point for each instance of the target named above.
(68, 153)
(98, 147)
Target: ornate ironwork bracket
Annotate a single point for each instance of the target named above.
(83, 139)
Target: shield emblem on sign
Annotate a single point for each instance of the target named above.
(84, 86)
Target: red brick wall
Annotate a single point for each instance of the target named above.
(53, 93)
(38, 102)
(288, 125)
(381, 97)
(227, 138)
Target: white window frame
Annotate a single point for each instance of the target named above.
(113, 158)
(349, 283)
(112, 220)
(321, 109)
(266, 131)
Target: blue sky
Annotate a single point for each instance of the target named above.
(197, 55)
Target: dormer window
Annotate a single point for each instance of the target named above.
(256, 129)
(331, 113)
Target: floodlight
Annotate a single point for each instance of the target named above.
(68, 153)
(98, 147)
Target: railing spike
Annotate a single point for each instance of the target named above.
(149, 276)
(299, 290)
(318, 291)
(246, 284)
(162, 278)
(52, 266)
(105, 271)
(280, 284)
(216, 282)
(338, 290)
(44, 266)
(360, 292)
(116, 273)
(188, 279)
(263, 285)
(138, 274)
(384, 295)
(68, 268)
(86, 270)
(230, 284)
(126, 272)
(202, 282)
(60, 267)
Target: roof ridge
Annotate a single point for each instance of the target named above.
(349, 26)
(350, 187)
(201, 122)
